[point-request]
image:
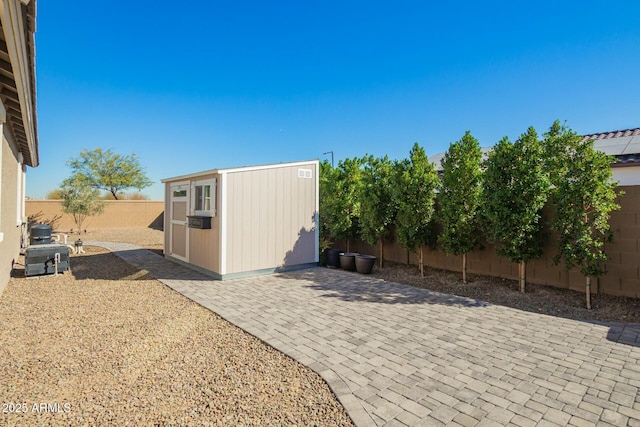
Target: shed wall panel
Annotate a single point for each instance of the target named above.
(270, 220)
(204, 245)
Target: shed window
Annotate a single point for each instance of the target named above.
(305, 173)
(203, 197)
(204, 200)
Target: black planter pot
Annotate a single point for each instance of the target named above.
(348, 261)
(333, 257)
(364, 263)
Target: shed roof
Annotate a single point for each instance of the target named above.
(238, 169)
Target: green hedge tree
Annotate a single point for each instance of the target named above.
(416, 182)
(339, 203)
(584, 197)
(378, 207)
(460, 197)
(328, 200)
(516, 187)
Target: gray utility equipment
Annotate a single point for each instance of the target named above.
(44, 255)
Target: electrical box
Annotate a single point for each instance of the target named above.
(202, 222)
(42, 259)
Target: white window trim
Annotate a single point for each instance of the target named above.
(213, 182)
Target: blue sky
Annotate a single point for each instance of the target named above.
(196, 86)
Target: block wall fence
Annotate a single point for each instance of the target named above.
(622, 278)
(117, 214)
(623, 267)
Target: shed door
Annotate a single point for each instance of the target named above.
(179, 232)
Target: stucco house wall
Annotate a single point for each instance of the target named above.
(18, 124)
(11, 212)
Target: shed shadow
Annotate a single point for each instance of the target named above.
(158, 223)
(355, 287)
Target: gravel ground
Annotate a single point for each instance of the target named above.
(108, 345)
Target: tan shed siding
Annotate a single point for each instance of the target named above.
(204, 245)
(281, 198)
(270, 218)
(10, 244)
(203, 250)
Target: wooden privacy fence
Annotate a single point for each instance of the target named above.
(622, 278)
(117, 214)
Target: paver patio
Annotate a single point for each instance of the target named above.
(398, 355)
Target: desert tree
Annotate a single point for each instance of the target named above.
(80, 200)
(106, 170)
(584, 197)
(516, 187)
(414, 189)
(378, 207)
(459, 198)
(54, 194)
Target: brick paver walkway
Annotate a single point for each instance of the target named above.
(399, 355)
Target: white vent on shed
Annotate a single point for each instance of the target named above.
(304, 173)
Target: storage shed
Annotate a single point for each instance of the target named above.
(244, 221)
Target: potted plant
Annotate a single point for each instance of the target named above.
(332, 256)
(364, 263)
(348, 261)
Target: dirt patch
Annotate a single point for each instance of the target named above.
(538, 298)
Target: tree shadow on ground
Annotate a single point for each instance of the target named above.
(348, 286)
(623, 333)
(355, 287)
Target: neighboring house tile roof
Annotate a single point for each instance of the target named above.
(624, 145)
(613, 134)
